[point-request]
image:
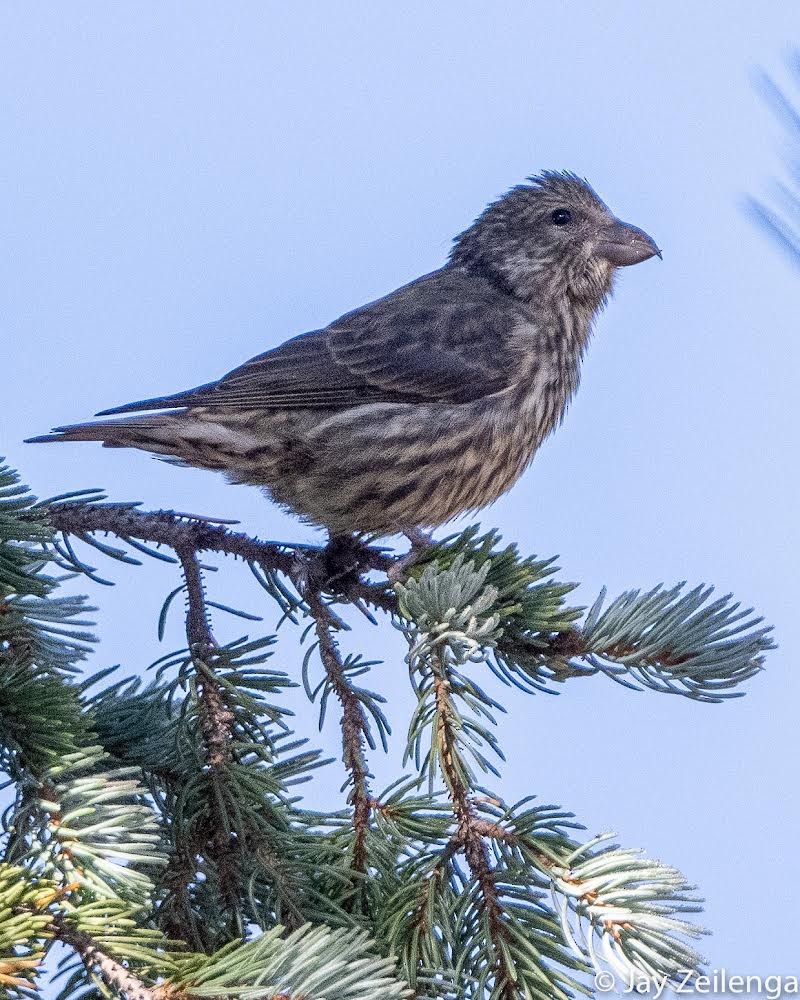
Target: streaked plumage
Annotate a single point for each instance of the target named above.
(424, 404)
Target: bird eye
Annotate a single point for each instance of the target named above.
(561, 217)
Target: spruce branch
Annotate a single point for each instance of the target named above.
(222, 836)
(675, 642)
(354, 725)
(470, 839)
(23, 531)
(501, 938)
(454, 622)
(449, 625)
(665, 640)
(616, 908)
(216, 716)
(248, 801)
(46, 632)
(40, 718)
(477, 900)
(217, 719)
(417, 920)
(43, 638)
(116, 952)
(106, 935)
(111, 972)
(453, 625)
(537, 640)
(86, 825)
(311, 963)
(24, 922)
(299, 563)
(622, 910)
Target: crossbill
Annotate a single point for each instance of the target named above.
(420, 406)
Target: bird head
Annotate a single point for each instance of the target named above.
(553, 236)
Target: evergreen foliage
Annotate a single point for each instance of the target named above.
(156, 829)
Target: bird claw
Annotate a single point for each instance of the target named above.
(339, 561)
(420, 541)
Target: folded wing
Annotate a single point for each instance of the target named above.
(444, 338)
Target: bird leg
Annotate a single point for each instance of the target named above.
(420, 541)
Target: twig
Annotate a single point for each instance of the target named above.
(299, 562)
(175, 915)
(166, 527)
(470, 831)
(216, 717)
(112, 972)
(354, 728)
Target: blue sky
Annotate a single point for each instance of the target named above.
(183, 186)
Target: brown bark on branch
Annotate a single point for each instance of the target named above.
(470, 832)
(334, 567)
(113, 973)
(354, 728)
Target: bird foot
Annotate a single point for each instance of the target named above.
(341, 561)
(420, 541)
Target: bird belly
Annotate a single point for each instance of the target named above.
(385, 468)
(379, 468)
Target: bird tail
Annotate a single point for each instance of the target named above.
(146, 432)
(179, 438)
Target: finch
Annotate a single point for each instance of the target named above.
(422, 405)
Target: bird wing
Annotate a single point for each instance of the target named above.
(444, 338)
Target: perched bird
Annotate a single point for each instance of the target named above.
(425, 404)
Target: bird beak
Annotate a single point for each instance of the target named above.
(622, 245)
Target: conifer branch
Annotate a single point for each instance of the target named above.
(469, 836)
(215, 715)
(354, 725)
(475, 899)
(539, 640)
(192, 533)
(216, 723)
(24, 922)
(97, 961)
(310, 963)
